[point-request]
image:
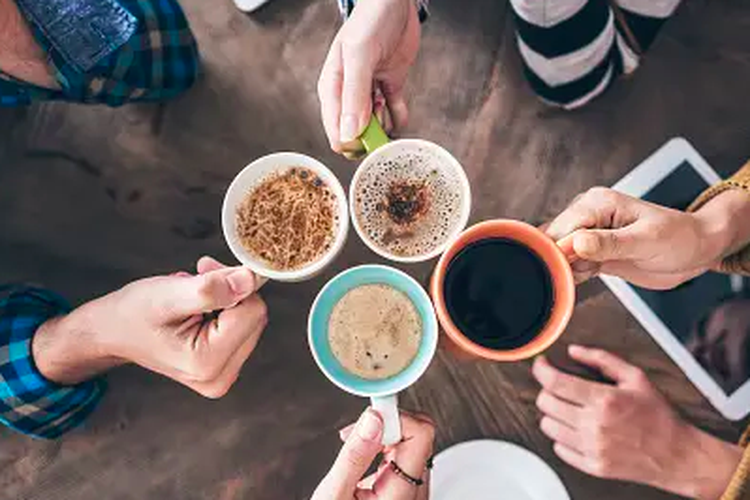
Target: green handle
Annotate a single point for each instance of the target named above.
(374, 136)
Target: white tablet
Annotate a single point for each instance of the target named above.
(700, 324)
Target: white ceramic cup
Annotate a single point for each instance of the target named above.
(381, 149)
(256, 172)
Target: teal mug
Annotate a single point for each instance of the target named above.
(383, 392)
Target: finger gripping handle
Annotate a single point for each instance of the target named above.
(387, 407)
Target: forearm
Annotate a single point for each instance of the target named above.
(727, 219)
(30, 402)
(67, 349)
(706, 469)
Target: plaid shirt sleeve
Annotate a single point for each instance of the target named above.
(127, 50)
(29, 403)
(346, 7)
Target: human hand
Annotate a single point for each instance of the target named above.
(649, 245)
(628, 431)
(362, 443)
(198, 330)
(371, 53)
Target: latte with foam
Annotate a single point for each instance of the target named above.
(409, 201)
(374, 331)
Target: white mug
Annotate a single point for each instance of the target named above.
(381, 150)
(250, 177)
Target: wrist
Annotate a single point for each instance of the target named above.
(68, 351)
(706, 466)
(725, 225)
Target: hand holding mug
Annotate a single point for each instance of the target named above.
(628, 431)
(646, 244)
(362, 444)
(373, 50)
(198, 330)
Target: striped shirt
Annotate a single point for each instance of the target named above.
(573, 50)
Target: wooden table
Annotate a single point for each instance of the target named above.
(91, 198)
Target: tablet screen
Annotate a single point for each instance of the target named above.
(710, 314)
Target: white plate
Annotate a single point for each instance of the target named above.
(493, 470)
(249, 5)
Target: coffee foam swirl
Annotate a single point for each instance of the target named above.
(410, 164)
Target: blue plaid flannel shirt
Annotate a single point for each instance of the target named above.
(29, 403)
(108, 51)
(101, 52)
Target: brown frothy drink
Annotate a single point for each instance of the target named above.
(408, 203)
(288, 220)
(374, 331)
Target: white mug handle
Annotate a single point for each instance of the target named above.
(260, 281)
(387, 407)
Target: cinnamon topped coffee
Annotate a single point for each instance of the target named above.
(288, 220)
(409, 199)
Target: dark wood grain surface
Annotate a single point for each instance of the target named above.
(91, 198)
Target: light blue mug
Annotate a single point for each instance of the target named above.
(383, 393)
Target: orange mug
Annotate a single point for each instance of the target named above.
(563, 287)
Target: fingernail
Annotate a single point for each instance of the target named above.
(349, 128)
(369, 427)
(347, 428)
(538, 361)
(574, 348)
(241, 281)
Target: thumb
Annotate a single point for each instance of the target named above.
(356, 93)
(355, 457)
(211, 291)
(602, 245)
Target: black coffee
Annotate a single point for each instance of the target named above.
(498, 293)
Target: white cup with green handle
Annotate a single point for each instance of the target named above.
(423, 170)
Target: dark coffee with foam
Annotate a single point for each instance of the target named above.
(409, 201)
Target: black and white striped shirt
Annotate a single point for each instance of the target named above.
(573, 50)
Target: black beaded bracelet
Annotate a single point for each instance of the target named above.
(403, 475)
